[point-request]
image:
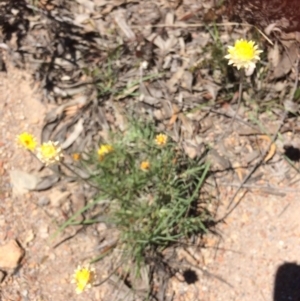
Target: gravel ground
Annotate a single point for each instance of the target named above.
(45, 271)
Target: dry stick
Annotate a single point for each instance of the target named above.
(264, 153)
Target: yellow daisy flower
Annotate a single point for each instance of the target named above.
(103, 150)
(76, 156)
(145, 165)
(26, 141)
(83, 278)
(161, 139)
(50, 152)
(244, 54)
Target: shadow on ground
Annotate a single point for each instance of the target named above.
(292, 153)
(287, 283)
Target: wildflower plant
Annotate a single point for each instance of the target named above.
(103, 150)
(161, 139)
(50, 153)
(84, 277)
(151, 187)
(26, 141)
(244, 54)
(145, 165)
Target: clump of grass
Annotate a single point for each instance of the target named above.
(152, 189)
(149, 186)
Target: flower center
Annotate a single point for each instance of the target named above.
(83, 278)
(49, 151)
(244, 50)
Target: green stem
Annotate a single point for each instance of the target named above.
(241, 72)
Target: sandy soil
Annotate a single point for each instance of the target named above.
(45, 271)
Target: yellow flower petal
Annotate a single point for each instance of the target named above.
(50, 152)
(76, 156)
(244, 54)
(83, 278)
(26, 141)
(145, 165)
(103, 150)
(161, 139)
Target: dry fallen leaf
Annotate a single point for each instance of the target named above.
(274, 55)
(78, 128)
(287, 61)
(121, 119)
(174, 117)
(172, 120)
(122, 23)
(272, 149)
(271, 27)
(193, 148)
(187, 126)
(240, 171)
(187, 80)
(88, 5)
(73, 110)
(295, 35)
(176, 77)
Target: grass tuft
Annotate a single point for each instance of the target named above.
(150, 189)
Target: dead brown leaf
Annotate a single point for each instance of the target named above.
(274, 55)
(295, 35)
(191, 148)
(272, 149)
(239, 171)
(187, 125)
(173, 120)
(73, 110)
(287, 61)
(187, 80)
(174, 117)
(122, 23)
(176, 78)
